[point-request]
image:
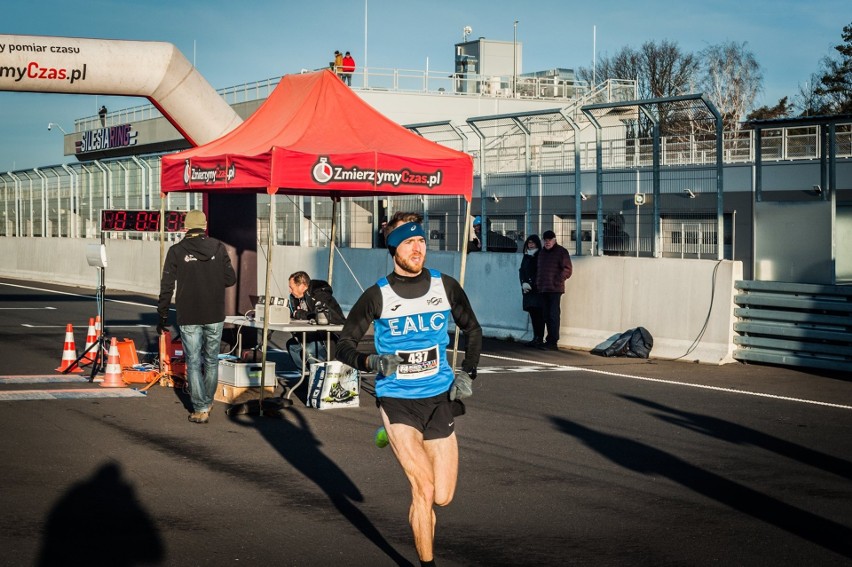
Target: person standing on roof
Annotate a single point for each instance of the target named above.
(348, 68)
(338, 63)
(201, 269)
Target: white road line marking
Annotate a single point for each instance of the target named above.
(108, 327)
(556, 367)
(18, 395)
(78, 295)
(25, 308)
(42, 378)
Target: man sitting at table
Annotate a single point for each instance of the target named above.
(311, 300)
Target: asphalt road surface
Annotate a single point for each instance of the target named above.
(566, 459)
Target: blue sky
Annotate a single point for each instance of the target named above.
(240, 42)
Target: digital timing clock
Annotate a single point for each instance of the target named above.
(125, 220)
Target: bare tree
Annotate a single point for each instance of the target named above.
(731, 78)
(808, 102)
(660, 70)
(670, 71)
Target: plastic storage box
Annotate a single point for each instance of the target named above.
(245, 374)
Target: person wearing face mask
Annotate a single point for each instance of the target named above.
(531, 299)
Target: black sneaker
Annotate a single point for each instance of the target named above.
(550, 346)
(535, 343)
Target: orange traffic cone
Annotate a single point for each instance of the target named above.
(113, 377)
(69, 353)
(90, 352)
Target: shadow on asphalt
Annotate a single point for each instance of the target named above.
(739, 435)
(647, 460)
(296, 443)
(100, 519)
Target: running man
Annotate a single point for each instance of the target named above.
(417, 392)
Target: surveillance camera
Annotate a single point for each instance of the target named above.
(49, 126)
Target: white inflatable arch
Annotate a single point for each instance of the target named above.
(154, 70)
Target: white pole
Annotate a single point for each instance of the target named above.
(638, 190)
(594, 54)
(365, 43)
(515, 59)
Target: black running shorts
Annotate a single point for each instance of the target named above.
(433, 417)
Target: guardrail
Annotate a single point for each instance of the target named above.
(794, 324)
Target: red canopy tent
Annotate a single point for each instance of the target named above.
(314, 136)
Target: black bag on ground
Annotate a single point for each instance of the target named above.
(633, 343)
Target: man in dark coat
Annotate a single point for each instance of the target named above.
(201, 268)
(554, 267)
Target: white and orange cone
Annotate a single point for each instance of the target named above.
(69, 353)
(98, 326)
(90, 353)
(113, 376)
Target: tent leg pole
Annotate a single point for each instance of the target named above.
(462, 269)
(266, 310)
(162, 231)
(334, 202)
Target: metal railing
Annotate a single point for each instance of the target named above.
(382, 79)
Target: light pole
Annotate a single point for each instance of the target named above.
(515, 60)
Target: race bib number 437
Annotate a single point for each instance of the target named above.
(417, 363)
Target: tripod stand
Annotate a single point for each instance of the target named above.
(96, 257)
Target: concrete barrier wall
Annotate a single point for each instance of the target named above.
(132, 265)
(678, 301)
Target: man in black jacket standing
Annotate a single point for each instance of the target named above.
(554, 267)
(201, 268)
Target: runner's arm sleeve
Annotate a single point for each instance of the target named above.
(465, 320)
(365, 310)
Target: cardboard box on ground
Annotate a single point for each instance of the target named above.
(240, 381)
(228, 394)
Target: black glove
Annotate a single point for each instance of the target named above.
(462, 386)
(163, 326)
(384, 364)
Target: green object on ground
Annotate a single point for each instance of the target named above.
(381, 439)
